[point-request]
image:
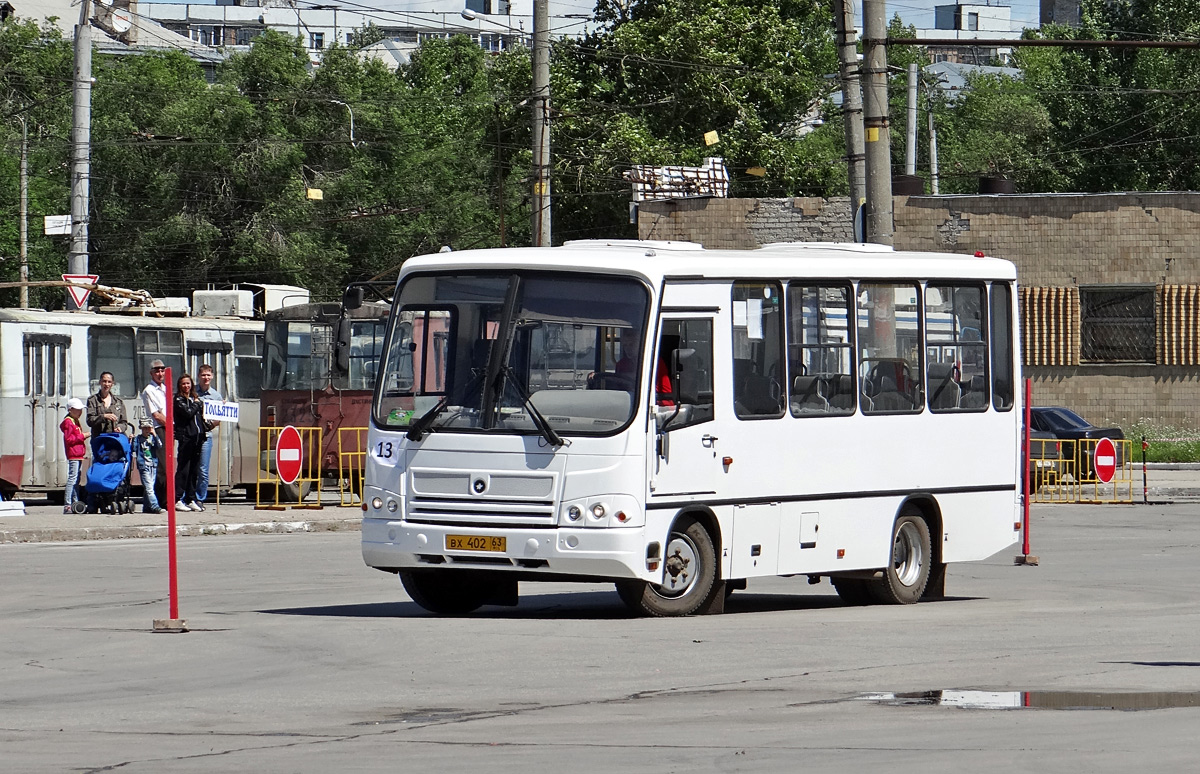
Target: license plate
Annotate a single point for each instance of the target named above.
(476, 543)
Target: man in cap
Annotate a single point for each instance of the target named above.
(154, 404)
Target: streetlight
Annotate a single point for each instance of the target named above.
(353, 144)
(541, 118)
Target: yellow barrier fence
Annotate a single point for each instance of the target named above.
(352, 461)
(1071, 476)
(284, 495)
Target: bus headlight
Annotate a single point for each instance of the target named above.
(602, 511)
(377, 503)
(393, 506)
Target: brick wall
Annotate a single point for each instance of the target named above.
(1054, 239)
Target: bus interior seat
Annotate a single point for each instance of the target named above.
(807, 397)
(841, 393)
(886, 396)
(975, 396)
(944, 392)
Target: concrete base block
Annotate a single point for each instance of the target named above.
(1026, 559)
(171, 625)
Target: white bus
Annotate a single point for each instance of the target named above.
(678, 420)
(49, 357)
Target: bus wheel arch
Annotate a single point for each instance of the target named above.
(912, 556)
(691, 562)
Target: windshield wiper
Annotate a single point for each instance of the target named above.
(424, 424)
(418, 429)
(539, 421)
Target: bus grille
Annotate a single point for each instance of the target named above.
(480, 512)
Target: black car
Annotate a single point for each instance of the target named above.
(1066, 425)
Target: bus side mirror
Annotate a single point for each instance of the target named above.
(352, 299)
(342, 344)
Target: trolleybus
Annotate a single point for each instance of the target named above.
(678, 420)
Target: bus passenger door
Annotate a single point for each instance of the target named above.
(685, 456)
(47, 383)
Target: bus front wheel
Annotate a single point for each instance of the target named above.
(447, 593)
(904, 580)
(689, 574)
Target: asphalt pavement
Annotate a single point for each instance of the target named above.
(40, 521)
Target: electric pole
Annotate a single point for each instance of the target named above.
(875, 123)
(81, 139)
(541, 123)
(910, 148)
(24, 225)
(850, 74)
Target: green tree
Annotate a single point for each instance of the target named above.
(647, 87)
(35, 91)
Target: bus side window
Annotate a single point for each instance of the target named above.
(684, 379)
(758, 362)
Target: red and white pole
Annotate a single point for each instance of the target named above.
(174, 623)
(1028, 483)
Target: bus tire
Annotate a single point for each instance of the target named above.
(904, 580)
(294, 493)
(689, 566)
(853, 591)
(446, 592)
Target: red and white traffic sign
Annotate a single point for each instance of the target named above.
(1105, 460)
(288, 454)
(80, 295)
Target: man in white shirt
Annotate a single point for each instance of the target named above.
(154, 404)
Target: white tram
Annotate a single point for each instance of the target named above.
(47, 357)
(679, 420)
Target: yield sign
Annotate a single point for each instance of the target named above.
(80, 295)
(288, 455)
(1105, 460)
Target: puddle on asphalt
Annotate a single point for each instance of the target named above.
(1051, 700)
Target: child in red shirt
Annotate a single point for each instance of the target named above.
(74, 441)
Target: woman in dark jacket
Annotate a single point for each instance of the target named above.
(189, 435)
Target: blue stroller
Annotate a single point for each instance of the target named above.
(108, 476)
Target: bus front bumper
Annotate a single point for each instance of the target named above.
(618, 553)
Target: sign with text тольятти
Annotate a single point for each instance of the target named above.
(220, 411)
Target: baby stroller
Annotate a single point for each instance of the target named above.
(108, 476)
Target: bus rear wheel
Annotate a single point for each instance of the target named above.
(447, 592)
(689, 574)
(904, 580)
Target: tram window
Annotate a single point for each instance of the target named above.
(153, 344)
(247, 354)
(889, 346)
(758, 365)
(1002, 347)
(215, 355)
(956, 348)
(820, 350)
(111, 349)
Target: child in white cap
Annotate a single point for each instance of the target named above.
(74, 440)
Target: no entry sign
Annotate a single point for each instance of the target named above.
(1105, 460)
(288, 455)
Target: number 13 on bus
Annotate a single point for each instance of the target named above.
(679, 420)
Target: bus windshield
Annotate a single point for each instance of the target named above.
(514, 353)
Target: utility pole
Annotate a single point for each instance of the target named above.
(81, 140)
(852, 111)
(910, 147)
(541, 123)
(24, 225)
(933, 167)
(875, 123)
